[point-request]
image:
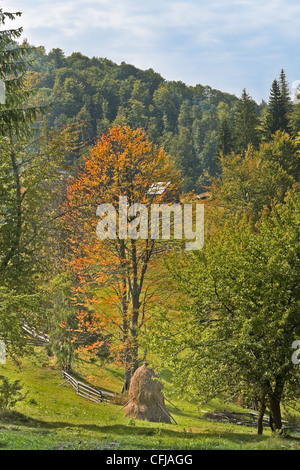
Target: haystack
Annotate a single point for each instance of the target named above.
(146, 398)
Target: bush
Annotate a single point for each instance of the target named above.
(10, 393)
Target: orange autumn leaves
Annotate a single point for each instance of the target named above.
(115, 279)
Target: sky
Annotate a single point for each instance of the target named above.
(225, 44)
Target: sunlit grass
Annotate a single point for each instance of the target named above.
(53, 417)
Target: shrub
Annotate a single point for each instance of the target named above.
(10, 393)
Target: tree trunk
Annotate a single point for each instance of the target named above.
(131, 365)
(125, 326)
(127, 379)
(260, 426)
(275, 413)
(127, 361)
(134, 357)
(135, 303)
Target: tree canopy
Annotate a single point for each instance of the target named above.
(117, 276)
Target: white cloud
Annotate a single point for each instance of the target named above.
(189, 40)
(206, 21)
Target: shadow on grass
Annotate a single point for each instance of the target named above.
(123, 430)
(116, 374)
(166, 375)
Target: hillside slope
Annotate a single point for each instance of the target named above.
(54, 417)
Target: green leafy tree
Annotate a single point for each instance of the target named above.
(31, 160)
(183, 150)
(10, 393)
(30, 175)
(282, 149)
(58, 57)
(248, 182)
(235, 332)
(208, 159)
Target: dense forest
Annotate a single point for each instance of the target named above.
(192, 123)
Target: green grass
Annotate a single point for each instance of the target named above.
(54, 417)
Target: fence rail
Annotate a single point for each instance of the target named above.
(85, 391)
(246, 418)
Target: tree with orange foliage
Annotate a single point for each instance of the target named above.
(117, 278)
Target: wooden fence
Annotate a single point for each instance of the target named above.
(85, 391)
(246, 419)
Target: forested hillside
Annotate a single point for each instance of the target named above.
(193, 123)
(188, 121)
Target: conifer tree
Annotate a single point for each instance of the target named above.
(16, 116)
(276, 118)
(225, 145)
(285, 93)
(246, 123)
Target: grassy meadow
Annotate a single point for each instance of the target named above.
(53, 417)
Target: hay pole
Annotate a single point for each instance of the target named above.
(171, 403)
(165, 411)
(123, 406)
(65, 381)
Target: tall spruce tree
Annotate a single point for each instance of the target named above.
(16, 116)
(246, 123)
(285, 93)
(225, 141)
(276, 118)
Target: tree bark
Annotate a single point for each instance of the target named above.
(127, 379)
(275, 413)
(125, 326)
(260, 418)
